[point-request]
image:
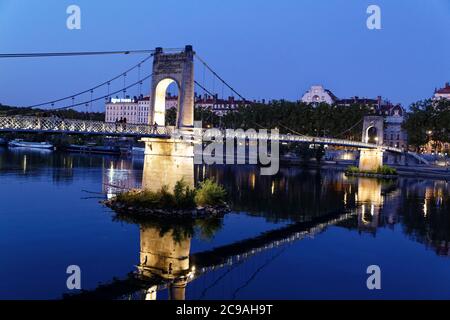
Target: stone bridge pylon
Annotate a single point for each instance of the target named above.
(373, 132)
(168, 160)
(171, 68)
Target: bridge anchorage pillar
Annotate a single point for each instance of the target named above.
(166, 162)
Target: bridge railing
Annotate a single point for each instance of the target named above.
(300, 138)
(56, 124)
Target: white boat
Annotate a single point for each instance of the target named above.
(26, 144)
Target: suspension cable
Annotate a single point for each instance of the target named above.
(203, 88)
(218, 77)
(349, 129)
(102, 97)
(83, 53)
(293, 131)
(297, 133)
(108, 82)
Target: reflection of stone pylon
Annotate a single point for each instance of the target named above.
(369, 203)
(162, 256)
(177, 289)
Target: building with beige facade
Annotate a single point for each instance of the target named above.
(136, 110)
(130, 110)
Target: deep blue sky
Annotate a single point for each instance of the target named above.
(266, 49)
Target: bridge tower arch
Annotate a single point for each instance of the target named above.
(167, 69)
(373, 132)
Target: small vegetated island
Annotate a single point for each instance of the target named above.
(207, 200)
(384, 172)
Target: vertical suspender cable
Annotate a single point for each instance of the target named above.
(124, 85)
(139, 78)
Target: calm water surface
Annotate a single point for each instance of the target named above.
(298, 235)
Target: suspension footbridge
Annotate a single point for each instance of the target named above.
(170, 66)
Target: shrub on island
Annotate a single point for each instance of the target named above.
(382, 172)
(210, 194)
(387, 170)
(206, 200)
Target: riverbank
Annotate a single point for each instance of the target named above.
(423, 172)
(419, 171)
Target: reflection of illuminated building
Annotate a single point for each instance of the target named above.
(431, 227)
(118, 176)
(435, 193)
(421, 206)
(283, 195)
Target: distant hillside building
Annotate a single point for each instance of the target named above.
(318, 94)
(443, 93)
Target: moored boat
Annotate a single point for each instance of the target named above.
(94, 149)
(19, 143)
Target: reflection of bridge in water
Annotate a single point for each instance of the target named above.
(166, 262)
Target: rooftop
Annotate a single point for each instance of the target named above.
(445, 90)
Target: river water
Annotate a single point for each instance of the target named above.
(302, 234)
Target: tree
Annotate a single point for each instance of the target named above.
(301, 118)
(428, 121)
(416, 126)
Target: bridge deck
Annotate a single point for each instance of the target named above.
(70, 126)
